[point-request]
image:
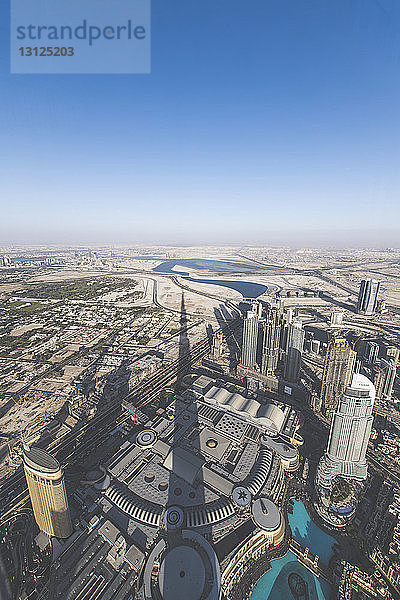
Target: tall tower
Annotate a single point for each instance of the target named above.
(289, 315)
(249, 340)
(393, 353)
(368, 296)
(46, 487)
(257, 308)
(271, 340)
(351, 425)
(371, 352)
(217, 345)
(294, 349)
(336, 318)
(338, 370)
(384, 380)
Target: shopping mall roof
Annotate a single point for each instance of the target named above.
(269, 416)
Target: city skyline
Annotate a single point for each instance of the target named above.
(161, 432)
(292, 116)
(199, 300)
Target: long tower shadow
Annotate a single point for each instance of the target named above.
(232, 334)
(184, 354)
(181, 570)
(234, 330)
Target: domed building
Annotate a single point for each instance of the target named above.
(185, 489)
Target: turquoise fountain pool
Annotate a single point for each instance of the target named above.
(309, 535)
(288, 579)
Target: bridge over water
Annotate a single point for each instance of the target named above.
(310, 561)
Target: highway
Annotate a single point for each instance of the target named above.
(175, 280)
(320, 273)
(229, 303)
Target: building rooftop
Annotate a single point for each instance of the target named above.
(182, 574)
(189, 569)
(186, 480)
(93, 566)
(266, 514)
(362, 384)
(184, 464)
(38, 459)
(196, 455)
(269, 416)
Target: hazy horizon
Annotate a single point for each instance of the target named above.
(290, 242)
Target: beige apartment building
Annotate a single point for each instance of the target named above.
(46, 486)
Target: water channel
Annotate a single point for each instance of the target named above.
(248, 289)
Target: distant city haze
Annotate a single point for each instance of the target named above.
(261, 122)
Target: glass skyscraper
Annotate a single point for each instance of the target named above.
(338, 371)
(294, 350)
(249, 340)
(368, 296)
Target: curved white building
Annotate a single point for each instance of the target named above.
(349, 435)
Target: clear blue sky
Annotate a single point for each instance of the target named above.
(263, 121)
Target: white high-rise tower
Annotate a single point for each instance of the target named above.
(349, 435)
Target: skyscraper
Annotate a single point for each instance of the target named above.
(270, 341)
(217, 345)
(336, 318)
(393, 353)
(289, 315)
(337, 374)
(46, 487)
(368, 296)
(5, 261)
(371, 352)
(384, 380)
(294, 349)
(249, 340)
(257, 308)
(351, 425)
